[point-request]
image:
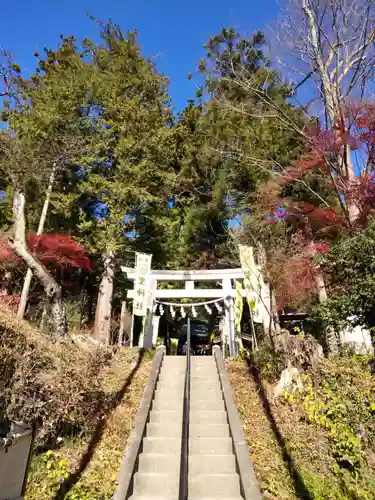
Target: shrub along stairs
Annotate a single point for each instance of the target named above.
(188, 442)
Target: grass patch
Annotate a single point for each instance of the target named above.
(318, 444)
(85, 467)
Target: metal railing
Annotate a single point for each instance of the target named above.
(184, 463)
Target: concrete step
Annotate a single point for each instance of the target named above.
(174, 397)
(138, 497)
(171, 359)
(208, 416)
(166, 429)
(214, 398)
(164, 390)
(196, 498)
(214, 464)
(166, 416)
(204, 370)
(161, 445)
(208, 430)
(205, 404)
(203, 382)
(203, 361)
(198, 378)
(168, 394)
(171, 377)
(169, 370)
(160, 463)
(167, 404)
(203, 390)
(175, 400)
(207, 395)
(204, 386)
(171, 381)
(206, 380)
(214, 485)
(210, 446)
(194, 388)
(151, 484)
(175, 368)
(208, 367)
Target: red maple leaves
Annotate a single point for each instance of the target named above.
(53, 250)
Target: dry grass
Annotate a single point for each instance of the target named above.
(52, 382)
(84, 399)
(87, 466)
(291, 457)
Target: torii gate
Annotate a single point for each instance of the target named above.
(227, 293)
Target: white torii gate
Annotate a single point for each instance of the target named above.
(227, 293)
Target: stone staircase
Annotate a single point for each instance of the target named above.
(212, 464)
(215, 438)
(158, 474)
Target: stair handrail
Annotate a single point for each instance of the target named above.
(184, 461)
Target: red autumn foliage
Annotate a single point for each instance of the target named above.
(309, 217)
(56, 250)
(294, 271)
(362, 193)
(314, 160)
(12, 301)
(362, 117)
(320, 247)
(317, 216)
(296, 283)
(292, 268)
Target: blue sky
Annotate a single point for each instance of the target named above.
(172, 31)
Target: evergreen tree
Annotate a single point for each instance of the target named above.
(128, 169)
(45, 131)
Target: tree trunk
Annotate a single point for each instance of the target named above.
(331, 339)
(125, 323)
(333, 107)
(332, 342)
(320, 285)
(5, 282)
(344, 158)
(42, 221)
(102, 327)
(51, 288)
(44, 319)
(271, 318)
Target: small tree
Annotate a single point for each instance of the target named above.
(350, 271)
(332, 43)
(45, 131)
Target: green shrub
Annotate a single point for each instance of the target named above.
(269, 363)
(343, 404)
(49, 470)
